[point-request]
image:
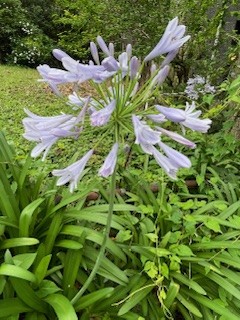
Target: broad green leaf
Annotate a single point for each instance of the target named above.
(2, 283)
(16, 272)
(171, 295)
(94, 236)
(108, 269)
(53, 232)
(6, 204)
(215, 245)
(210, 207)
(89, 299)
(123, 235)
(10, 306)
(24, 260)
(18, 242)
(69, 244)
(92, 216)
(135, 298)
(28, 295)
(62, 306)
(189, 305)
(41, 269)
(46, 288)
(72, 260)
(26, 217)
(189, 282)
(225, 284)
(225, 214)
(7, 222)
(216, 307)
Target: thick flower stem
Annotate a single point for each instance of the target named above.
(104, 243)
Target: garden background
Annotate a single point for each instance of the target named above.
(173, 249)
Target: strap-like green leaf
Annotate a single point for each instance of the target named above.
(62, 306)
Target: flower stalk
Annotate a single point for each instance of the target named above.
(104, 242)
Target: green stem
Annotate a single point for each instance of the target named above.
(104, 243)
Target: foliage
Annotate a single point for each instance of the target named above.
(167, 254)
(78, 22)
(11, 13)
(41, 241)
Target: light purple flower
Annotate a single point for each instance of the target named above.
(172, 114)
(123, 62)
(111, 49)
(72, 173)
(102, 116)
(103, 46)
(76, 101)
(94, 52)
(159, 118)
(175, 156)
(59, 54)
(47, 130)
(110, 64)
(160, 76)
(198, 85)
(52, 76)
(170, 56)
(192, 121)
(144, 134)
(173, 160)
(171, 40)
(82, 72)
(109, 163)
(129, 51)
(165, 163)
(177, 137)
(187, 118)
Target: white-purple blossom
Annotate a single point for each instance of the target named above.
(159, 118)
(165, 163)
(144, 134)
(177, 137)
(160, 76)
(59, 54)
(187, 118)
(47, 130)
(171, 40)
(103, 46)
(175, 156)
(94, 52)
(75, 101)
(102, 116)
(110, 162)
(72, 174)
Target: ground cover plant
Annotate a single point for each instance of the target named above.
(149, 246)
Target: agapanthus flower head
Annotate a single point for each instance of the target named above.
(121, 105)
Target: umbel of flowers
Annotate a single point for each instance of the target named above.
(122, 106)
